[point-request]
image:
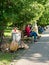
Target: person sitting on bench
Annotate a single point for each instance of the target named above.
(30, 33)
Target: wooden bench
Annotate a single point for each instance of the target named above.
(25, 37)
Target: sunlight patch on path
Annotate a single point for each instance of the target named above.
(42, 42)
(45, 35)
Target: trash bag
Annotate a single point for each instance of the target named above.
(13, 46)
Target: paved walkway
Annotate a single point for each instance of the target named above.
(38, 53)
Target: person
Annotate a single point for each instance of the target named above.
(31, 33)
(16, 35)
(40, 29)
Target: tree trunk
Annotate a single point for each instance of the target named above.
(1, 36)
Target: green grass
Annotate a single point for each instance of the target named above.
(7, 32)
(7, 57)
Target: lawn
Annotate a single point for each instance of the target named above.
(7, 57)
(7, 31)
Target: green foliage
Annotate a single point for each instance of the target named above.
(20, 12)
(44, 19)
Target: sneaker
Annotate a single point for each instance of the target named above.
(38, 37)
(35, 40)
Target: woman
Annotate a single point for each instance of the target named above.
(16, 35)
(31, 33)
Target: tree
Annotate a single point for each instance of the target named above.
(44, 19)
(19, 12)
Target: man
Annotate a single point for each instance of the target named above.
(31, 33)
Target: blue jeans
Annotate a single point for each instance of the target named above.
(32, 33)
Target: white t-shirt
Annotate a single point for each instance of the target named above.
(16, 35)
